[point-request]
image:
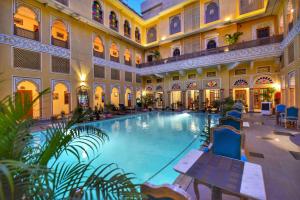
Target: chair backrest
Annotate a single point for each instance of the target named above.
(231, 121)
(292, 112)
(280, 108)
(163, 192)
(234, 113)
(226, 142)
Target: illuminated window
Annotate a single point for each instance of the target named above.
(127, 29)
(138, 59)
(151, 35)
(127, 57)
(113, 21)
(137, 35)
(59, 34)
(114, 53)
(175, 24)
(26, 23)
(98, 48)
(97, 12)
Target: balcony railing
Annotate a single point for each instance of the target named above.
(59, 43)
(115, 59)
(127, 62)
(33, 35)
(64, 2)
(98, 54)
(238, 46)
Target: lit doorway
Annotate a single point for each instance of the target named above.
(192, 99)
(159, 99)
(211, 95)
(27, 92)
(128, 98)
(176, 99)
(60, 100)
(115, 97)
(99, 98)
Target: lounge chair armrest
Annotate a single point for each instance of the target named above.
(243, 155)
(282, 115)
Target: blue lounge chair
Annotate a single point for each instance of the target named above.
(280, 108)
(231, 121)
(290, 117)
(227, 141)
(234, 113)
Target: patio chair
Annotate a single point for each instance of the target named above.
(164, 192)
(234, 113)
(280, 108)
(227, 141)
(290, 117)
(231, 121)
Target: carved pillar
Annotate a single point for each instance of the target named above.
(231, 93)
(183, 95)
(222, 94)
(251, 102)
(201, 100)
(168, 100)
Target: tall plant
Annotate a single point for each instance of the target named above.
(156, 54)
(32, 166)
(267, 95)
(233, 38)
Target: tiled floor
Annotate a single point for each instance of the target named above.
(280, 168)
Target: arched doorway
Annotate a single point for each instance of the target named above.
(99, 98)
(60, 100)
(192, 96)
(28, 91)
(98, 50)
(26, 23)
(128, 98)
(211, 44)
(115, 97)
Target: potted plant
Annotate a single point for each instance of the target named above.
(233, 38)
(156, 54)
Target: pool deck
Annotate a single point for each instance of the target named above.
(271, 147)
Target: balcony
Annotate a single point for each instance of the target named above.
(64, 2)
(127, 62)
(114, 59)
(60, 43)
(238, 46)
(98, 54)
(33, 35)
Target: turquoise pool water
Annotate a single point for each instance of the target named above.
(144, 144)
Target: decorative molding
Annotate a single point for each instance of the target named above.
(272, 50)
(32, 45)
(115, 85)
(291, 35)
(114, 65)
(65, 82)
(17, 80)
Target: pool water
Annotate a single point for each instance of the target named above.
(143, 144)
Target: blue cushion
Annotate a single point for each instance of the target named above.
(230, 122)
(234, 113)
(244, 158)
(280, 108)
(227, 143)
(205, 149)
(292, 112)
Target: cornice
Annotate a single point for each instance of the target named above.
(272, 50)
(32, 45)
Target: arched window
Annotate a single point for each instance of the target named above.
(97, 12)
(176, 52)
(26, 23)
(211, 44)
(138, 59)
(175, 24)
(151, 35)
(127, 57)
(98, 48)
(60, 35)
(114, 52)
(137, 35)
(211, 12)
(127, 29)
(113, 21)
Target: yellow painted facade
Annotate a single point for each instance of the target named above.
(73, 50)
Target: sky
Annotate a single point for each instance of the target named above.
(135, 4)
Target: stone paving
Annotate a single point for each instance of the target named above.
(272, 151)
